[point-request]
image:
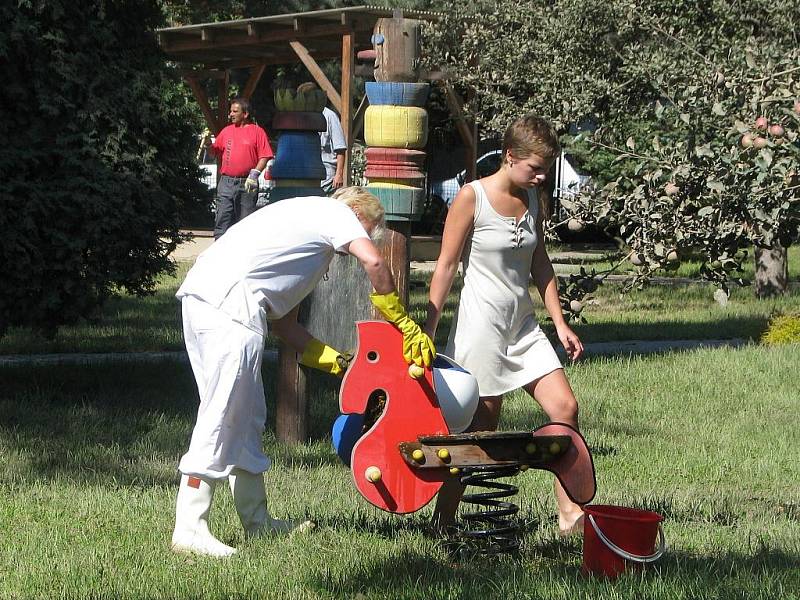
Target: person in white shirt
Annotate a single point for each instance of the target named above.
(332, 143)
(251, 279)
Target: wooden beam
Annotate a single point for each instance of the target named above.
(252, 81)
(317, 74)
(348, 64)
(202, 99)
(202, 73)
(358, 119)
(257, 37)
(222, 99)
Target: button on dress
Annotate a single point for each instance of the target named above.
(495, 334)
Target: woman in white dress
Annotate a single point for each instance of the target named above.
(494, 227)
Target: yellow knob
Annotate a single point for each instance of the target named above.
(455, 471)
(555, 448)
(418, 455)
(373, 474)
(443, 454)
(415, 372)
(523, 467)
(530, 448)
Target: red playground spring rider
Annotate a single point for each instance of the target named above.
(401, 436)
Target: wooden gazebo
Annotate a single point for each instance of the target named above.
(210, 50)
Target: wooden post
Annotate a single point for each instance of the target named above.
(348, 66)
(223, 106)
(395, 252)
(291, 405)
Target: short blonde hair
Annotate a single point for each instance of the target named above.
(367, 205)
(531, 134)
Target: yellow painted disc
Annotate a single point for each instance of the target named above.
(396, 126)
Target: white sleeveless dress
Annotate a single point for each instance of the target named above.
(495, 334)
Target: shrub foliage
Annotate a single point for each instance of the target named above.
(97, 164)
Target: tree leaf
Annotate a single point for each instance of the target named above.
(705, 211)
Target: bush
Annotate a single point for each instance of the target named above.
(97, 165)
(783, 329)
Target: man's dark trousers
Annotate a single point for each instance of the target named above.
(233, 203)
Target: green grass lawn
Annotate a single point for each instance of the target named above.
(131, 324)
(707, 438)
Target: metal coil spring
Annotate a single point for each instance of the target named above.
(490, 531)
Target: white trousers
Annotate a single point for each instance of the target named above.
(226, 361)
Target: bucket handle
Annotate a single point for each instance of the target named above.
(662, 545)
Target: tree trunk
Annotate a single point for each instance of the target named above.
(772, 271)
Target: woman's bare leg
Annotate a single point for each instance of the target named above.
(486, 418)
(555, 396)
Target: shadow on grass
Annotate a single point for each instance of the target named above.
(556, 563)
(118, 424)
(724, 327)
(125, 423)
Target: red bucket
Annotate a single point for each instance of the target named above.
(615, 536)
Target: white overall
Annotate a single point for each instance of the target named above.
(259, 270)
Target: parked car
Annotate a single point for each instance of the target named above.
(445, 191)
(442, 192)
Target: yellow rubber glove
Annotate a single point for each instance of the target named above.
(319, 356)
(418, 348)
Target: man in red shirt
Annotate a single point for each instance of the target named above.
(245, 150)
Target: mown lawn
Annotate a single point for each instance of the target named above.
(707, 438)
(131, 324)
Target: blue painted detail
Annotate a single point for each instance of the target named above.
(441, 362)
(346, 432)
(282, 193)
(298, 156)
(377, 38)
(397, 93)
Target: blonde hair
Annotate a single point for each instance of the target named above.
(367, 205)
(531, 134)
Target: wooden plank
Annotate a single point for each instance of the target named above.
(244, 38)
(291, 403)
(534, 451)
(317, 74)
(205, 107)
(252, 81)
(346, 112)
(202, 73)
(358, 119)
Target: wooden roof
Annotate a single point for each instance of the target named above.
(265, 40)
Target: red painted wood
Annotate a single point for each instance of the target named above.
(411, 410)
(575, 468)
(394, 157)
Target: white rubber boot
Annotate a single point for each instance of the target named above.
(251, 504)
(191, 535)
